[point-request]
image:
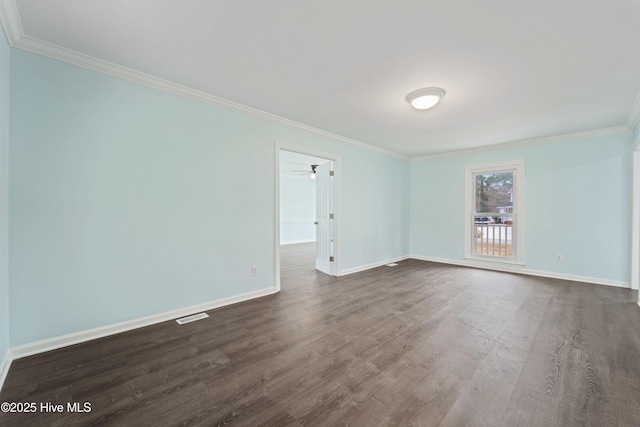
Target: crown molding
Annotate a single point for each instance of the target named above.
(526, 142)
(105, 67)
(10, 19)
(634, 114)
(11, 22)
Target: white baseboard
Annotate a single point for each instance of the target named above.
(116, 328)
(370, 266)
(103, 331)
(584, 279)
(4, 366)
(295, 242)
(522, 270)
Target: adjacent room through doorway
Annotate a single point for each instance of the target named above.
(306, 234)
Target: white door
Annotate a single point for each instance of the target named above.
(324, 229)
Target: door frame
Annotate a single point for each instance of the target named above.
(635, 216)
(335, 195)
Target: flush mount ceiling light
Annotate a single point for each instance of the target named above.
(423, 99)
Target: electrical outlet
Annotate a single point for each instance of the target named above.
(558, 257)
(254, 270)
(442, 246)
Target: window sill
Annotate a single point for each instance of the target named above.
(494, 263)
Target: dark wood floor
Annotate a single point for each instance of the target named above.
(419, 344)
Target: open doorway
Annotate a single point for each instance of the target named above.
(306, 226)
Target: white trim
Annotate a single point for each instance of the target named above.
(116, 328)
(490, 260)
(10, 19)
(636, 144)
(526, 271)
(635, 220)
(4, 366)
(370, 266)
(517, 167)
(525, 142)
(634, 114)
(276, 213)
(337, 206)
(295, 242)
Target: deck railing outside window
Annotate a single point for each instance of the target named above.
(493, 239)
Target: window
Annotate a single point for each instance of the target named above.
(493, 212)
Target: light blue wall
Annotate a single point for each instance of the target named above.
(378, 194)
(5, 57)
(297, 209)
(126, 201)
(577, 203)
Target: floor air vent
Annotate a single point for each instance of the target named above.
(393, 264)
(192, 318)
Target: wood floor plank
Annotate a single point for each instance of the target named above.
(419, 344)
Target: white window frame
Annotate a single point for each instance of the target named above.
(517, 168)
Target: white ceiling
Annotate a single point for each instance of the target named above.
(512, 70)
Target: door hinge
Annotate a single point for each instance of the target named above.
(330, 216)
(330, 173)
(330, 259)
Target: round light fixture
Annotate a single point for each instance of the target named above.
(423, 99)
